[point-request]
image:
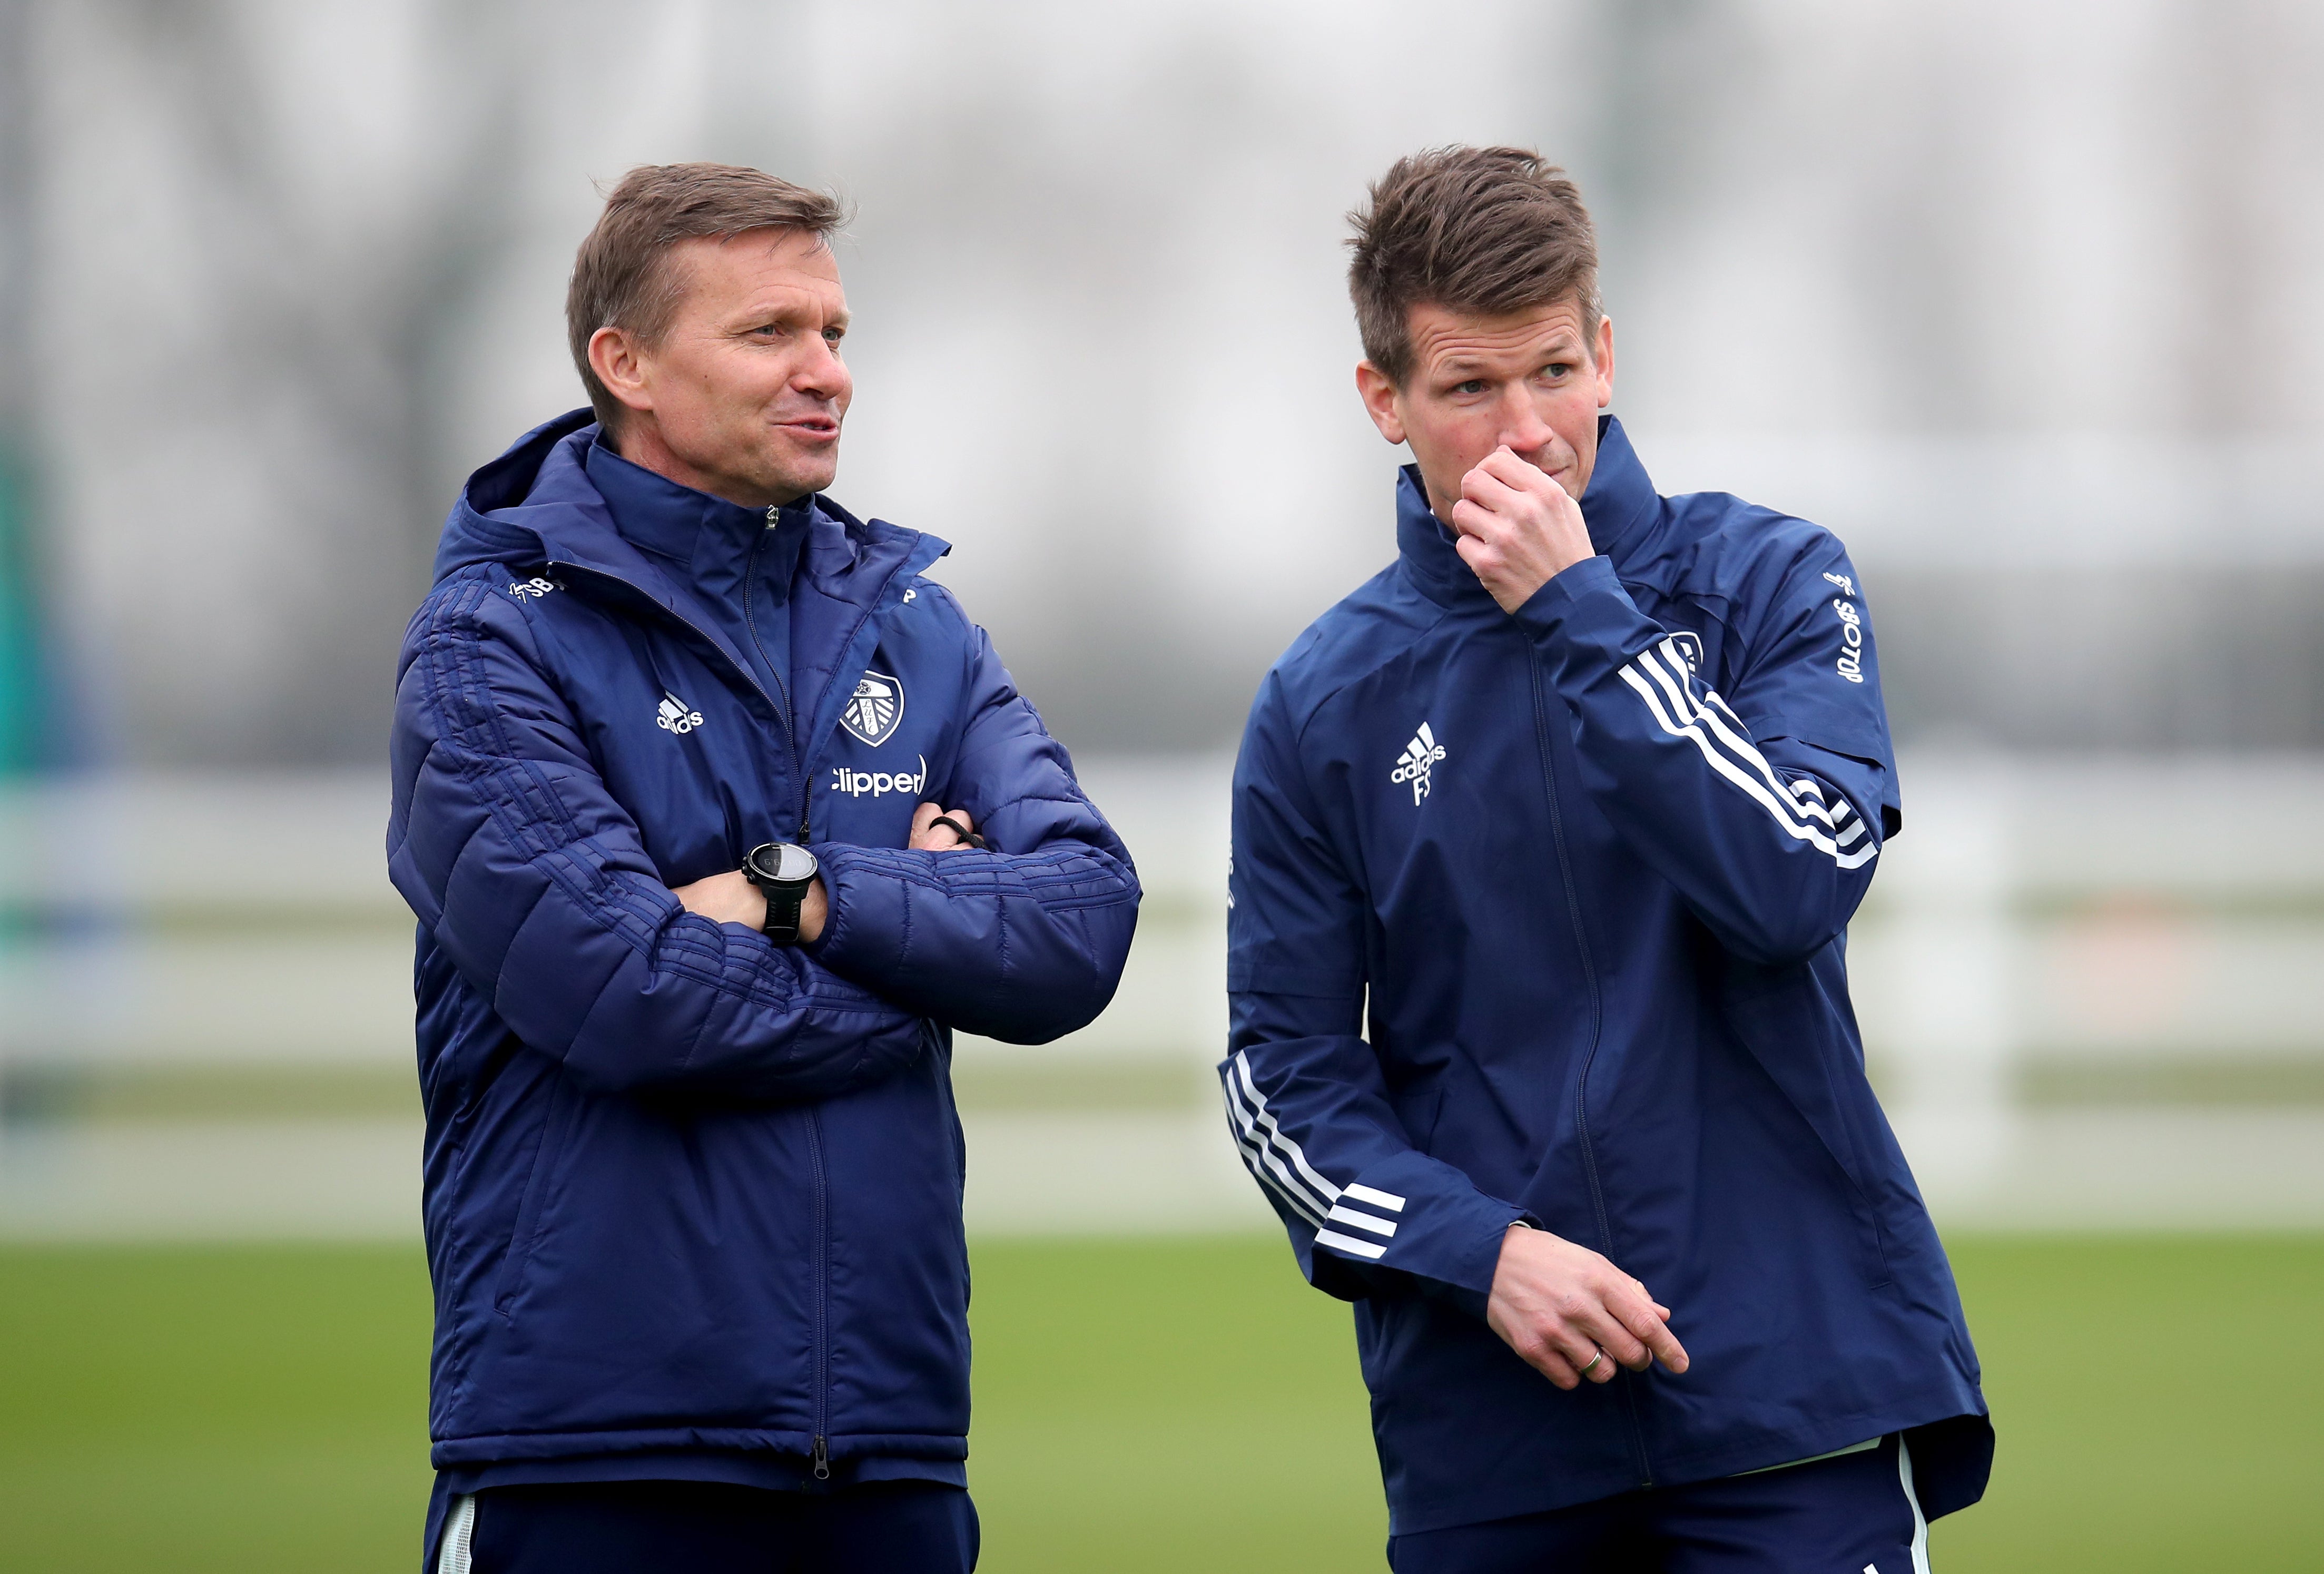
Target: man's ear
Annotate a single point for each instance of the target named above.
(614, 357)
(1379, 390)
(1604, 357)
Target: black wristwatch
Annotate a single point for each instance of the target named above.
(784, 870)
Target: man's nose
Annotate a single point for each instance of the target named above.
(823, 374)
(1523, 431)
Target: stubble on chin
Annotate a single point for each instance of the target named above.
(788, 472)
(816, 475)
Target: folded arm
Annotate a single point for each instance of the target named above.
(1023, 941)
(535, 881)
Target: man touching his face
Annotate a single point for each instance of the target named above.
(1545, 841)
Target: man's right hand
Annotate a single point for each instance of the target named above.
(1557, 1304)
(732, 898)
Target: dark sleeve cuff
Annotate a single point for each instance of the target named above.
(1557, 601)
(835, 911)
(1450, 1233)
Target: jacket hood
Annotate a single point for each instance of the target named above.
(488, 524)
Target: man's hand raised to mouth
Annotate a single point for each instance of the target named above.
(1518, 528)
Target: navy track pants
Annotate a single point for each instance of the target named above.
(702, 1527)
(1854, 1513)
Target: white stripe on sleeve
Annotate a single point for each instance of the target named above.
(1275, 1134)
(1744, 767)
(1802, 793)
(1715, 712)
(1346, 1215)
(1348, 1244)
(1273, 1156)
(1262, 1161)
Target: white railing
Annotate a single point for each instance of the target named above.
(2088, 988)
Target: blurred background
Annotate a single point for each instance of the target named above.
(2025, 300)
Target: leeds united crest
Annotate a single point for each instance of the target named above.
(874, 709)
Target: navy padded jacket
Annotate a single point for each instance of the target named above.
(1541, 918)
(685, 1189)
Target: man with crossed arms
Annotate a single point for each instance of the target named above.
(673, 732)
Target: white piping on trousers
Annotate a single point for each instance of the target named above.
(460, 1528)
(1920, 1525)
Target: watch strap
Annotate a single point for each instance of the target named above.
(782, 925)
(785, 898)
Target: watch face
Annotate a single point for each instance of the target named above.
(791, 863)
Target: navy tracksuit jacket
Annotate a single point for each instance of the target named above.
(693, 1200)
(1543, 916)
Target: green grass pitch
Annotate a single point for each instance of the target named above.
(1141, 1406)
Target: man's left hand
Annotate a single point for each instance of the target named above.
(929, 836)
(1518, 529)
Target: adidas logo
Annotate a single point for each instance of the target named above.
(1419, 756)
(674, 716)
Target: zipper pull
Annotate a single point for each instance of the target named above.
(774, 513)
(822, 1460)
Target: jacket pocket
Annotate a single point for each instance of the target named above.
(1786, 1022)
(1417, 1110)
(554, 1126)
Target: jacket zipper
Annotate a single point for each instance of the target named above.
(782, 717)
(821, 1458)
(750, 621)
(1597, 1027)
(779, 707)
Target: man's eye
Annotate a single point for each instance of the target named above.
(1556, 369)
(832, 335)
(1474, 385)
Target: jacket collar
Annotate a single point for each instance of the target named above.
(1616, 506)
(540, 502)
(704, 538)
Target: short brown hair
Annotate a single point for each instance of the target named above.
(1483, 230)
(621, 276)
